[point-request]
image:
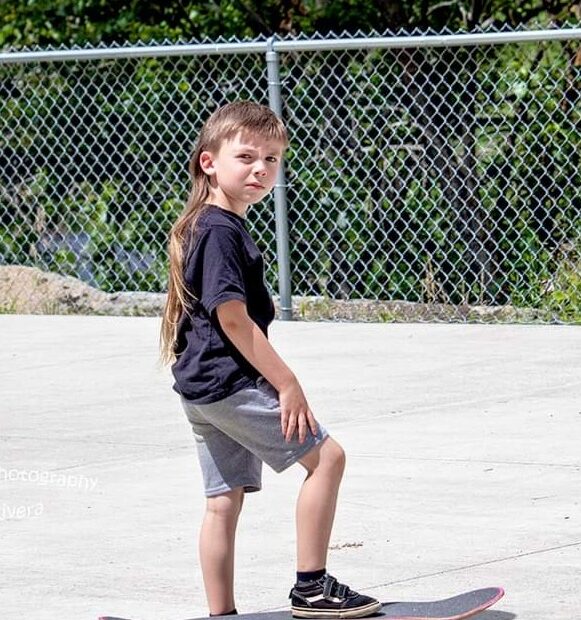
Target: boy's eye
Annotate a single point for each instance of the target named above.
(271, 158)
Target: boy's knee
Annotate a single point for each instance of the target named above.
(334, 457)
(328, 457)
(226, 506)
(340, 458)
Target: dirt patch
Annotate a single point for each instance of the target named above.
(28, 290)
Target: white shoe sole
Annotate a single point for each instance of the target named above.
(358, 612)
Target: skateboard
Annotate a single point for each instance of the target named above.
(456, 608)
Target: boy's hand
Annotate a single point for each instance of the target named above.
(295, 414)
(245, 335)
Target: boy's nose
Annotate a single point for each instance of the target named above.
(260, 169)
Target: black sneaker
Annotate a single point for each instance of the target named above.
(326, 598)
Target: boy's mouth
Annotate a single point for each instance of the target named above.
(255, 185)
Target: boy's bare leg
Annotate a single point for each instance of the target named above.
(316, 503)
(217, 538)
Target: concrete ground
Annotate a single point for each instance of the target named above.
(463, 471)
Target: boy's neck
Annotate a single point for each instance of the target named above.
(229, 209)
(239, 213)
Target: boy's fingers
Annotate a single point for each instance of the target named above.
(302, 429)
(283, 421)
(290, 429)
(312, 422)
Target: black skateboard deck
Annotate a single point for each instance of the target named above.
(458, 607)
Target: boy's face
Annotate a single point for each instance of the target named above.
(243, 171)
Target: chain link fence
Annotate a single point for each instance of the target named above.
(430, 178)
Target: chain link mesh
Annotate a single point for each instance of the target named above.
(442, 177)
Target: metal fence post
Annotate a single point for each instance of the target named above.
(280, 198)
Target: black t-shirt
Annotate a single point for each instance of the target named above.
(221, 263)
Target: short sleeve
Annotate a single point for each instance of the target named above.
(214, 268)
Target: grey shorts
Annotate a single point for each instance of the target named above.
(236, 434)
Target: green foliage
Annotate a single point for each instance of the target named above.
(8, 307)
(43, 22)
(77, 22)
(96, 159)
(375, 220)
(559, 293)
(98, 151)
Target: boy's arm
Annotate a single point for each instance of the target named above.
(247, 337)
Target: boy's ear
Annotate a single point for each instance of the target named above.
(207, 162)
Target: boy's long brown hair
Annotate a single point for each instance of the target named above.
(224, 124)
